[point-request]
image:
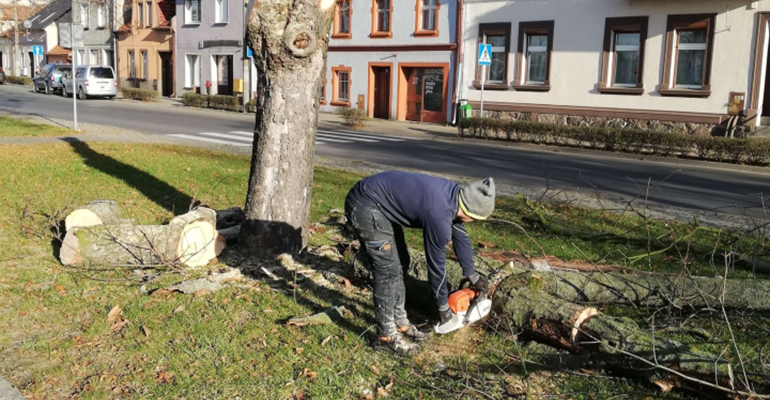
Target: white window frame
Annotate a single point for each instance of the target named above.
(533, 49)
(188, 12)
(431, 7)
(148, 14)
(221, 11)
(132, 64)
(140, 14)
(100, 15)
(145, 56)
(339, 86)
(191, 79)
(675, 57)
(627, 48)
(495, 49)
(84, 17)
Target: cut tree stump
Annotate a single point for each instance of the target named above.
(189, 239)
(93, 213)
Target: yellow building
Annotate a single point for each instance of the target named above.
(146, 47)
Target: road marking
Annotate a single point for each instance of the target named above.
(333, 140)
(382, 135)
(243, 133)
(226, 136)
(355, 139)
(205, 139)
(359, 135)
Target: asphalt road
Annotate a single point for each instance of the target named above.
(697, 187)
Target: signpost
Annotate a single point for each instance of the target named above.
(485, 60)
(73, 75)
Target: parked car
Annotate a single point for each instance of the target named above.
(90, 81)
(2, 76)
(49, 78)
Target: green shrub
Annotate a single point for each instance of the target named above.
(752, 151)
(19, 80)
(195, 100)
(251, 106)
(138, 94)
(352, 117)
(219, 102)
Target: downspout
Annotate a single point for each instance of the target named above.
(459, 35)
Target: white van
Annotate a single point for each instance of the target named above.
(91, 81)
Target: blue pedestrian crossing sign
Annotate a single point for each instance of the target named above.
(485, 54)
(37, 50)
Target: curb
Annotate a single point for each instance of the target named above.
(7, 392)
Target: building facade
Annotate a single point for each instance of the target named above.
(146, 46)
(42, 31)
(664, 65)
(97, 46)
(393, 59)
(210, 38)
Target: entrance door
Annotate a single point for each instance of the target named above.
(32, 66)
(166, 74)
(766, 100)
(381, 92)
(425, 94)
(225, 75)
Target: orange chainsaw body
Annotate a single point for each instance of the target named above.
(460, 300)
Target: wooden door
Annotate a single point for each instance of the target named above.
(225, 75)
(413, 93)
(766, 101)
(381, 92)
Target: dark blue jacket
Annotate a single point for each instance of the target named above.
(428, 203)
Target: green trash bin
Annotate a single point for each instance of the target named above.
(464, 110)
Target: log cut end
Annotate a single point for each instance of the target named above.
(581, 318)
(70, 250)
(200, 243)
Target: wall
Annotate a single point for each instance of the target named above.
(190, 35)
(143, 39)
(94, 37)
(578, 46)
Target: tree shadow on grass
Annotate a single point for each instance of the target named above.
(158, 191)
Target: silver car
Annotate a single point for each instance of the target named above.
(90, 81)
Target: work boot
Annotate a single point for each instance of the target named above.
(396, 344)
(413, 333)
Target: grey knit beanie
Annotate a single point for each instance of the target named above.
(477, 200)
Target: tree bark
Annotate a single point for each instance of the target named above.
(289, 39)
(189, 239)
(93, 213)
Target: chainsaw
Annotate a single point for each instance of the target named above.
(467, 305)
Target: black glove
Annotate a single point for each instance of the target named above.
(479, 283)
(445, 315)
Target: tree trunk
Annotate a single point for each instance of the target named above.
(93, 213)
(289, 40)
(189, 239)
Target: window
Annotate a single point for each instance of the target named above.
(148, 19)
(145, 69)
(140, 14)
(623, 57)
(221, 11)
(323, 90)
(533, 63)
(499, 36)
(82, 57)
(687, 65)
(426, 19)
(341, 86)
(131, 65)
(192, 13)
(381, 12)
(100, 12)
(192, 71)
(96, 56)
(342, 20)
(102, 73)
(84, 15)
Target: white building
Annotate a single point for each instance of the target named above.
(393, 58)
(658, 64)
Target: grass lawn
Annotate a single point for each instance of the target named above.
(56, 342)
(15, 127)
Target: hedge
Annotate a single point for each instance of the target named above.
(352, 117)
(251, 106)
(138, 94)
(712, 148)
(18, 80)
(217, 102)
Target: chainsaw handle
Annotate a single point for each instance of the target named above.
(463, 282)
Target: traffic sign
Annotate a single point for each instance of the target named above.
(485, 54)
(37, 50)
(249, 53)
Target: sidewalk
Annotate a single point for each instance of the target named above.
(7, 392)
